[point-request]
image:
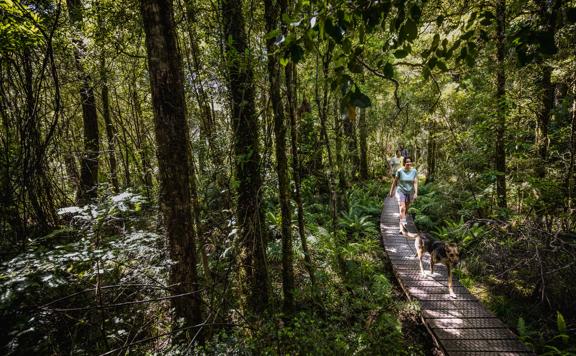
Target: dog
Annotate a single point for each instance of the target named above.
(440, 252)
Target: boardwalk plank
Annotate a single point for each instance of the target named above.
(484, 353)
(483, 345)
(475, 334)
(460, 323)
(479, 312)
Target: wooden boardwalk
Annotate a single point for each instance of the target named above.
(459, 326)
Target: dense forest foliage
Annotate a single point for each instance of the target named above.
(191, 176)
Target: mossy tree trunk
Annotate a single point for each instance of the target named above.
(500, 156)
(250, 216)
(272, 10)
(89, 162)
(171, 128)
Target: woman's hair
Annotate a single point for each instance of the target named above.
(408, 158)
(398, 152)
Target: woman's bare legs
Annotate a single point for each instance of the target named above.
(403, 211)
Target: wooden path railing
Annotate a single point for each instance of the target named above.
(459, 326)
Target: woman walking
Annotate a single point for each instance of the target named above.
(405, 186)
(395, 163)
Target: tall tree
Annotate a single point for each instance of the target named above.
(363, 135)
(166, 81)
(89, 163)
(547, 16)
(500, 156)
(349, 126)
(272, 10)
(36, 182)
(253, 269)
(296, 169)
(431, 154)
(105, 97)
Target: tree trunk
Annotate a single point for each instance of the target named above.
(89, 163)
(110, 131)
(544, 114)
(431, 157)
(569, 181)
(8, 206)
(123, 140)
(253, 269)
(207, 122)
(291, 97)
(322, 103)
(105, 97)
(140, 139)
(350, 132)
(271, 12)
(500, 156)
(34, 175)
(548, 13)
(171, 128)
(363, 145)
(339, 121)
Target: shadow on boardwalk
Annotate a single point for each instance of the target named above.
(460, 325)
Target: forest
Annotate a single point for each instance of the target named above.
(206, 177)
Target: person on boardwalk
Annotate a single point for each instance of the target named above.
(396, 163)
(403, 151)
(405, 186)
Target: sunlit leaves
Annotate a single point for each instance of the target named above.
(18, 26)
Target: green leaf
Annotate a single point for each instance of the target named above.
(470, 60)
(521, 327)
(354, 66)
(273, 34)
(284, 61)
(426, 72)
(467, 35)
(560, 323)
(334, 31)
(415, 12)
(401, 53)
(411, 30)
(440, 20)
(296, 53)
(432, 62)
(360, 99)
(426, 53)
(463, 53)
(347, 45)
(435, 42)
(286, 18)
(388, 70)
(442, 66)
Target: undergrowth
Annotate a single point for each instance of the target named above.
(100, 284)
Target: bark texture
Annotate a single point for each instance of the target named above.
(500, 156)
(272, 9)
(171, 128)
(89, 162)
(252, 255)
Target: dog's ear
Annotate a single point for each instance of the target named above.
(453, 247)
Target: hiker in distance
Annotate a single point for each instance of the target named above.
(395, 163)
(405, 186)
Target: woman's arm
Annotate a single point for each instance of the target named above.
(416, 186)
